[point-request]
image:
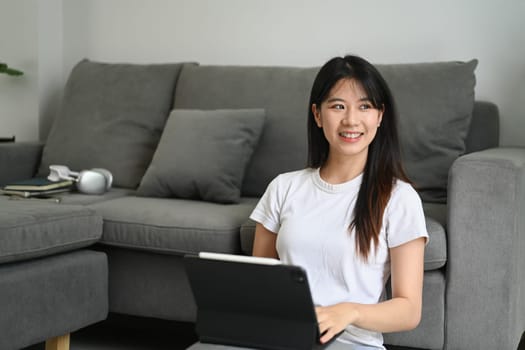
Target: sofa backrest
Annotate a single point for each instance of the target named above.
(434, 100)
(113, 114)
(112, 117)
(484, 127)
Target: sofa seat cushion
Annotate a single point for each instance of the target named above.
(173, 226)
(31, 228)
(435, 251)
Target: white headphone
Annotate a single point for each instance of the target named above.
(93, 181)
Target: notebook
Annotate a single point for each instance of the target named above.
(36, 187)
(252, 302)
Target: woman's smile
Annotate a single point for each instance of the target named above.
(350, 136)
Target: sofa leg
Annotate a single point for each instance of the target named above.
(58, 343)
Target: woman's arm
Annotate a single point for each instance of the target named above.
(264, 242)
(402, 312)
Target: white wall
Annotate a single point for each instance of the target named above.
(304, 33)
(50, 62)
(30, 40)
(18, 48)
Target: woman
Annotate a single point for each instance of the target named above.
(351, 219)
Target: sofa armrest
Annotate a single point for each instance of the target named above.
(19, 160)
(485, 306)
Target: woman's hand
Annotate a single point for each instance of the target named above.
(334, 319)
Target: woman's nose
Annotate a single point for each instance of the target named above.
(350, 117)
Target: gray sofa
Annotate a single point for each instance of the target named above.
(50, 283)
(192, 147)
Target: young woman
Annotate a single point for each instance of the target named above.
(351, 219)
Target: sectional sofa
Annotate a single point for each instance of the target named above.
(192, 148)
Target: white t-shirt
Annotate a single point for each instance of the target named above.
(311, 218)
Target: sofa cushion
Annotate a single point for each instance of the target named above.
(203, 154)
(32, 228)
(283, 93)
(111, 117)
(175, 226)
(435, 251)
(435, 102)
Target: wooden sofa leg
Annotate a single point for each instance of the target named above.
(58, 343)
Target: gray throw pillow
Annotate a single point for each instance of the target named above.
(112, 117)
(203, 154)
(435, 103)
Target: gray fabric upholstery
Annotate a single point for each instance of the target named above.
(33, 228)
(484, 127)
(435, 251)
(56, 295)
(203, 154)
(149, 284)
(282, 92)
(436, 211)
(174, 226)
(434, 102)
(19, 160)
(486, 265)
(112, 117)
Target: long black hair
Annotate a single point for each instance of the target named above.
(383, 165)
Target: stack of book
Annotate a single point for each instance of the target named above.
(36, 187)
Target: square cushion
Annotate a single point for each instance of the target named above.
(111, 117)
(435, 102)
(203, 155)
(35, 228)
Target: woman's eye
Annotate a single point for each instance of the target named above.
(338, 106)
(365, 107)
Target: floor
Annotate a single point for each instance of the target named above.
(121, 332)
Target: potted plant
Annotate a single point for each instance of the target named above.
(8, 70)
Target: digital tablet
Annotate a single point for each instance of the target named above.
(252, 302)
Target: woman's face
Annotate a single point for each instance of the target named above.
(349, 120)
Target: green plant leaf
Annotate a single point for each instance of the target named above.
(9, 71)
